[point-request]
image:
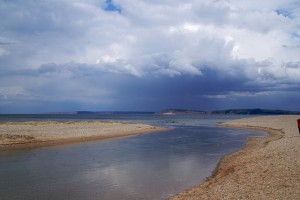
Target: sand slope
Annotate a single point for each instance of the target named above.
(267, 168)
(33, 134)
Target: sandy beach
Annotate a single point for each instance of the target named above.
(15, 135)
(266, 168)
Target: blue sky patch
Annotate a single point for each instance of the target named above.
(284, 12)
(113, 55)
(110, 6)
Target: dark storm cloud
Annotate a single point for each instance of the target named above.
(92, 88)
(148, 55)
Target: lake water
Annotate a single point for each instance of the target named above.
(150, 166)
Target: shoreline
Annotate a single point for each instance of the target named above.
(27, 135)
(265, 168)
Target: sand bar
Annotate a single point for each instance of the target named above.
(15, 135)
(267, 168)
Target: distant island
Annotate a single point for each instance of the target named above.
(256, 111)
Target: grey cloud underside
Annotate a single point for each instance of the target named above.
(90, 88)
(148, 55)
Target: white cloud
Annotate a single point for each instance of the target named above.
(256, 40)
(233, 95)
(83, 32)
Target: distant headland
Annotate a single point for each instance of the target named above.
(256, 111)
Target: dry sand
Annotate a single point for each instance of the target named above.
(267, 168)
(14, 135)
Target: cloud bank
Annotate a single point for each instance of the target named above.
(148, 55)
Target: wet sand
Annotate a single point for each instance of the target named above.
(266, 168)
(18, 135)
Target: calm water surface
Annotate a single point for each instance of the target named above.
(151, 166)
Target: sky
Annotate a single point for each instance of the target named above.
(148, 55)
